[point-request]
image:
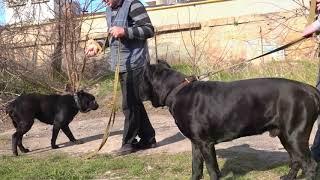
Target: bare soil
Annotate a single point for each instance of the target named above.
(90, 128)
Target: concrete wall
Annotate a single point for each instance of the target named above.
(224, 41)
(216, 9)
(200, 12)
(222, 31)
(212, 32)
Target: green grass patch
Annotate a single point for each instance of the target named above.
(304, 71)
(158, 166)
(3, 140)
(106, 84)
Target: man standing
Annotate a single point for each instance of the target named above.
(309, 30)
(129, 28)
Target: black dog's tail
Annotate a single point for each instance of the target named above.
(10, 110)
(9, 107)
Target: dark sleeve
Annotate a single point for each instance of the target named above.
(142, 28)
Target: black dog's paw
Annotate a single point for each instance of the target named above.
(54, 146)
(15, 153)
(25, 150)
(78, 142)
(219, 174)
(197, 177)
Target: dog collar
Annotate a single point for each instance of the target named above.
(76, 99)
(175, 90)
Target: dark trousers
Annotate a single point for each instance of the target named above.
(136, 119)
(315, 149)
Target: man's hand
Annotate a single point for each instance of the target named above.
(313, 27)
(91, 49)
(118, 32)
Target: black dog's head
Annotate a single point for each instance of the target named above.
(86, 101)
(158, 80)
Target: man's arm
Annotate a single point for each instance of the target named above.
(313, 27)
(143, 28)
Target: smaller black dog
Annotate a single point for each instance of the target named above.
(57, 110)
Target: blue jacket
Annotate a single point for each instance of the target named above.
(133, 52)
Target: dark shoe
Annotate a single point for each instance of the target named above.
(125, 149)
(145, 144)
(315, 153)
(78, 142)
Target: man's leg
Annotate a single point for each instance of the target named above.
(315, 149)
(131, 126)
(136, 118)
(146, 131)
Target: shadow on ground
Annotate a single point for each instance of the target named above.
(172, 139)
(242, 159)
(67, 144)
(169, 140)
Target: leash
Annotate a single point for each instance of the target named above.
(175, 90)
(113, 108)
(246, 61)
(114, 102)
(311, 17)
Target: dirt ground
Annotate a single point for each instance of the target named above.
(90, 128)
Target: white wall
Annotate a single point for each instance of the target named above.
(220, 9)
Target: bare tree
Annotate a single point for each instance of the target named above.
(44, 54)
(276, 26)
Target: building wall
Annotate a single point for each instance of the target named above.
(214, 9)
(199, 12)
(222, 31)
(205, 33)
(226, 41)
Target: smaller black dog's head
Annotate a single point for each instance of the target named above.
(152, 87)
(85, 101)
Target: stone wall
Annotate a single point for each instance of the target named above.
(208, 33)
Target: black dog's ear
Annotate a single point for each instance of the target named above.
(163, 63)
(68, 88)
(80, 93)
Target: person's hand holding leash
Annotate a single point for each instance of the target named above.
(91, 49)
(117, 32)
(313, 27)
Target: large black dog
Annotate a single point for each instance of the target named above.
(211, 112)
(57, 110)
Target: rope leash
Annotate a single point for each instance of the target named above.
(246, 61)
(312, 16)
(113, 109)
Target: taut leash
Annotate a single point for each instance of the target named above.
(246, 61)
